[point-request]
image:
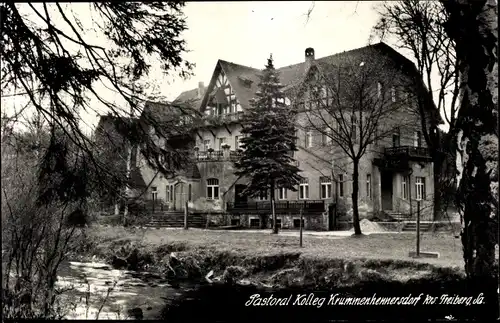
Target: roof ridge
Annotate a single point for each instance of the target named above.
(333, 55)
(245, 66)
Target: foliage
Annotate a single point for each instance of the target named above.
(36, 237)
(269, 139)
(54, 58)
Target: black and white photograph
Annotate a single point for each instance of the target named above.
(250, 161)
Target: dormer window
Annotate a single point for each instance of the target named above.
(246, 82)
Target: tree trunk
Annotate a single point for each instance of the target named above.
(473, 25)
(273, 209)
(129, 165)
(439, 204)
(355, 189)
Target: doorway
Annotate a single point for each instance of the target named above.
(239, 198)
(386, 190)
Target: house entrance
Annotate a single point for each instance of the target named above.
(239, 198)
(386, 189)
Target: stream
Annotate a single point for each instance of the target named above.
(88, 285)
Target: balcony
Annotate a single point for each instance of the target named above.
(262, 207)
(215, 120)
(408, 152)
(217, 155)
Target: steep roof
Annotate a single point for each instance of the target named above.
(290, 75)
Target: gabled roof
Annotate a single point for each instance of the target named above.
(290, 75)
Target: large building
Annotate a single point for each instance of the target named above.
(394, 173)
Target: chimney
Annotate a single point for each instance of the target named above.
(201, 89)
(309, 56)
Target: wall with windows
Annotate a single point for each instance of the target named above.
(207, 139)
(420, 184)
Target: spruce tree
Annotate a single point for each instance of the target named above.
(268, 141)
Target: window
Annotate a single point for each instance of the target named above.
(189, 192)
(154, 193)
(304, 189)
(278, 223)
(296, 223)
(263, 196)
(167, 193)
(287, 102)
(369, 186)
(171, 192)
(393, 94)
(379, 90)
(420, 188)
(376, 135)
(222, 141)
(325, 187)
(282, 193)
(341, 185)
(206, 144)
(326, 138)
(254, 223)
(417, 142)
(396, 139)
(237, 142)
(309, 139)
(235, 221)
(404, 187)
(354, 127)
(212, 189)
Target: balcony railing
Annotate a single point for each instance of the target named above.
(409, 151)
(308, 206)
(217, 155)
(212, 120)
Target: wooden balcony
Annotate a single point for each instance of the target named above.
(215, 120)
(217, 155)
(261, 207)
(409, 152)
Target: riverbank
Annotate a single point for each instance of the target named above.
(277, 260)
(241, 264)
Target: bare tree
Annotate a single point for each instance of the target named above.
(349, 107)
(52, 57)
(419, 27)
(35, 238)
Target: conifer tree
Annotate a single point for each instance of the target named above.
(269, 141)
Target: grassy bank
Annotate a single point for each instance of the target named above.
(278, 260)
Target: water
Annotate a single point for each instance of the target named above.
(88, 285)
(159, 300)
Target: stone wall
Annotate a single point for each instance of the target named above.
(317, 222)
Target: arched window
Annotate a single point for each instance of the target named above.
(212, 189)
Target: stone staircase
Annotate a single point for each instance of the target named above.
(412, 226)
(175, 219)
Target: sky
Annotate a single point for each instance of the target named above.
(248, 32)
